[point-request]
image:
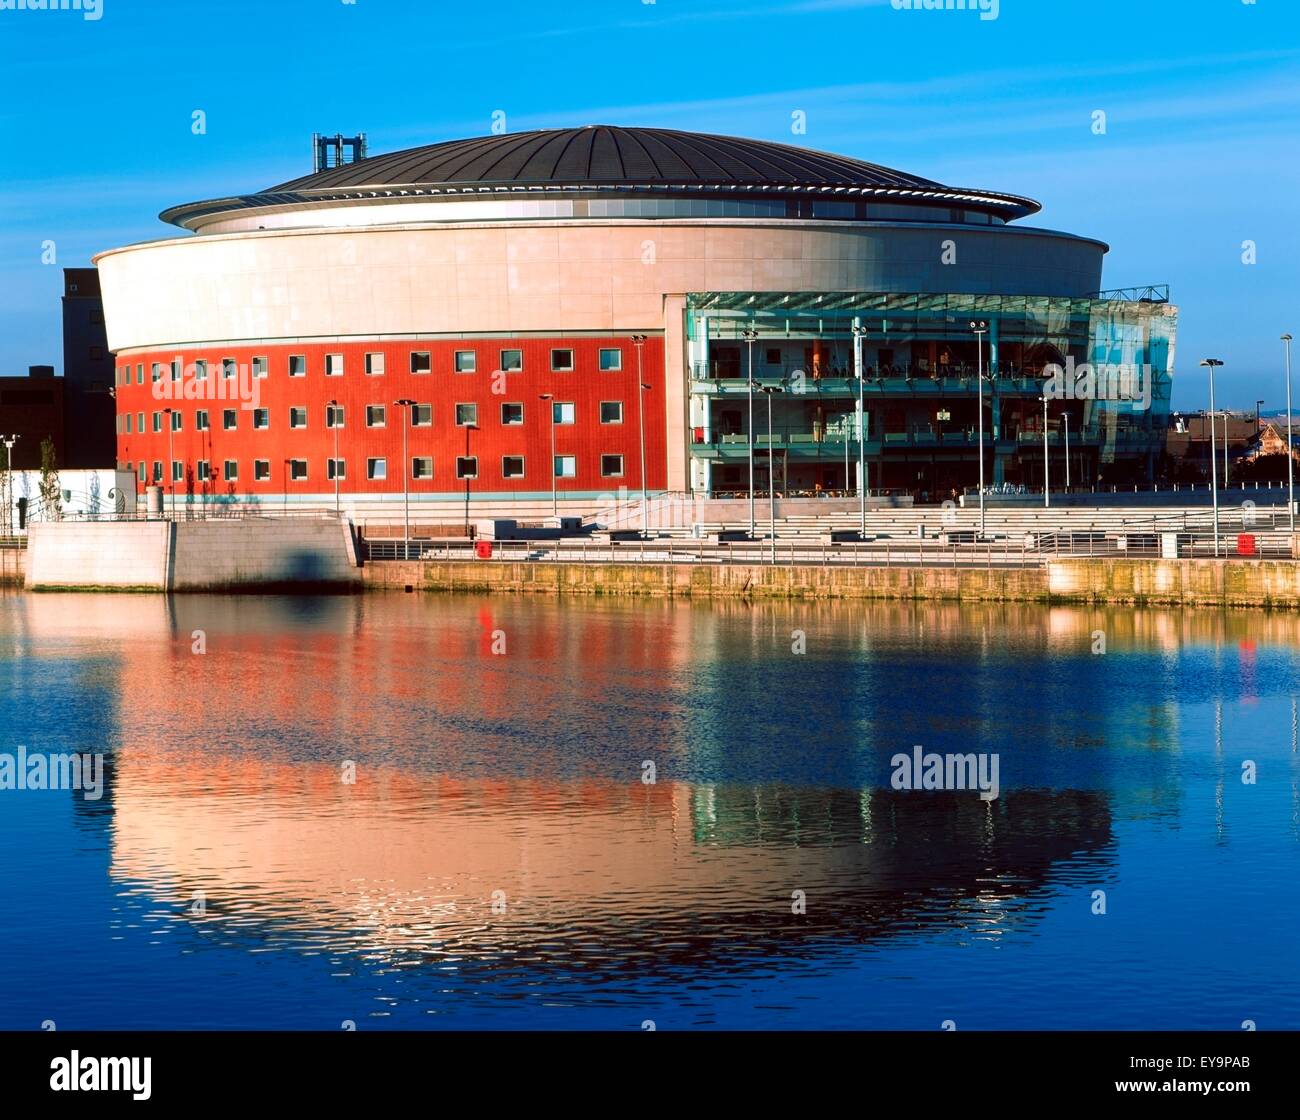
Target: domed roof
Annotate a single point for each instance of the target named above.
(606, 154)
(597, 160)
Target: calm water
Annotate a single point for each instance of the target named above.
(231, 877)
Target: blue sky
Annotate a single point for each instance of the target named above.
(1200, 154)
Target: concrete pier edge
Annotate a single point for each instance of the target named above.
(1266, 584)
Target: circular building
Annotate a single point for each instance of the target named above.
(548, 318)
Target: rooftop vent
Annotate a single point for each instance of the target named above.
(337, 150)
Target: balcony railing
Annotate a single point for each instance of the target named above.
(834, 439)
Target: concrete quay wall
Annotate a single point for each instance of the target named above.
(1204, 583)
(244, 554)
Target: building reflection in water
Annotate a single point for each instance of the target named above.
(520, 773)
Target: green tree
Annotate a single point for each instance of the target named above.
(51, 491)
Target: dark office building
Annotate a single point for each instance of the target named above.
(87, 374)
(31, 408)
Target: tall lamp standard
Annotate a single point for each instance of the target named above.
(334, 466)
(555, 507)
(1066, 417)
(1290, 447)
(171, 466)
(771, 391)
(405, 404)
(750, 335)
(468, 428)
(1211, 364)
(9, 442)
(859, 333)
(981, 329)
(638, 340)
(1047, 468)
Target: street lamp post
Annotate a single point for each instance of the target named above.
(1047, 466)
(9, 442)
(555, 511)
(1290, 449)
(334, 423)
(638, 340)
(751, 336)
(981, 329)
(171, 466)
(859, 333)
(771, 391)
(1211, 364)
(405, 404)
(1066, 417)
(468, 428)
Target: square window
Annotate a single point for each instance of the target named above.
(562, 361)
(421, 361)
(512, 466)
(298, 416)
(230, 470)
(422, 467)
(374, 365)
(562, 412)
(611, 412)
(333, 365)
(261, 419)
(611, 360)
(466, 415)
(611, 466)
(261, 470)
(335, 468)
(297, 469)
(566, 466)
(376, 468)
(259, 367)
(297, 365)
(512, 414)
(201, 420)
(229, 419)
(376, 416)
(229, 369)
(334, 416)
(466, 466)
(421, 415)
(465, 361)
(773, 357)
(512, 361)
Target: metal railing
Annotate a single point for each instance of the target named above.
(957, 549)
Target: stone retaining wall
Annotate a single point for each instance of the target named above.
(1239, 583)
